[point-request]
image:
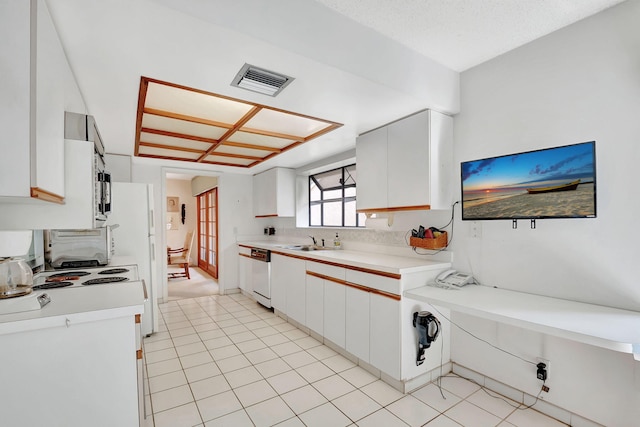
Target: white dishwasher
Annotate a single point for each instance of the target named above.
(261, 275)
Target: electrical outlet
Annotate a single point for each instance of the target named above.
(546, 362)
(475, 231)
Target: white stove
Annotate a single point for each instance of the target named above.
(62, 279)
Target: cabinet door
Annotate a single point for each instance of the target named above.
(264, 193)
(315, 304)
(334, 312)
(385, 343)
(15, 179)
(357, 322)
(51, 66)
(408, 162)
(371, 158)
(244, 274)
(296, 289)
(278, 282)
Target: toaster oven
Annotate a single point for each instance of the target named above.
(78, 248)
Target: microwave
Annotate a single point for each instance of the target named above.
(78, 248)
(83, 127)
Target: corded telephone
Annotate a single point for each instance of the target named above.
(454, 278)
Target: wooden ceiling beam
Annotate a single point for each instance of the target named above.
(179, 135)
(170, 147)
(187, 118)
(255, 110)
(252, 146)
(236, 156)
(273, 134)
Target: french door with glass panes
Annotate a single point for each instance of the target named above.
(208, 232)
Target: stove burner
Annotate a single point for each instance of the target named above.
(103, 280)
(114, 271)
(70, 274)
(52, 285)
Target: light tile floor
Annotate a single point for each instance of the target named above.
(227, 361)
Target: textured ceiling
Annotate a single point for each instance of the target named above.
(463, 33)
(345, 71)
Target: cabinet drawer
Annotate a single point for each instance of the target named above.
(385, 284)
(326, 270)
(244, 250)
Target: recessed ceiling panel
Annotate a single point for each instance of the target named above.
(236, 161)
(165, 153)
(285, 123)
(153, 121)
(261, 140)
(177, 122)
(178, 143)
(193, 103)
(243, 151)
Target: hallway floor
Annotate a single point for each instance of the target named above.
(227, 361)
(200, 284)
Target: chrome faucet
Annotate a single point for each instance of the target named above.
(314, 241)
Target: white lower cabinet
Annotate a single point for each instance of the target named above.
(357, 322)
(385, 334)
(278, 282)
(296, 289)
(315, 304)
(334, 312)
(244, 270)
(74, 375)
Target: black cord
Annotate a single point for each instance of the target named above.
(519, 406)
(484, 341)
(451, 222)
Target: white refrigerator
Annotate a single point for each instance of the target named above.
(134, 240)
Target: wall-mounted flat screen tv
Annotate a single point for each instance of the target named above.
(557, 182)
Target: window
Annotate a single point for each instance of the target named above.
(332, 199)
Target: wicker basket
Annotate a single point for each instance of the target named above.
(435, 243)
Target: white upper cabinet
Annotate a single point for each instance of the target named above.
(371, 165)
(37, 86)
(274, 193)
(406, 165)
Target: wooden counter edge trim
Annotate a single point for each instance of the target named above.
(394, 209)
(241, 254)
(39, 193)
(356, 286)
(337, 264)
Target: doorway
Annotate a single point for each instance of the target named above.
(208, 232)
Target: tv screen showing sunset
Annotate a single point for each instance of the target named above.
(551, 183)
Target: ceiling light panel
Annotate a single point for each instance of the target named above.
(285, 123)
(264, 140)
(182, 126)
(196, 104)
(243, 151)
(174, 142)
(166, 153)
(180, 123)
(221, 160)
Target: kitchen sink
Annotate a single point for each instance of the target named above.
(305, 247)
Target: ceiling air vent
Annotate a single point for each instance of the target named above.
(260, 80)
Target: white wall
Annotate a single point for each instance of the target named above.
(579, 84)
(175, 238)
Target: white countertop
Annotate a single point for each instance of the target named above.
(367, 260)
(601, 326)
(78, 305)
